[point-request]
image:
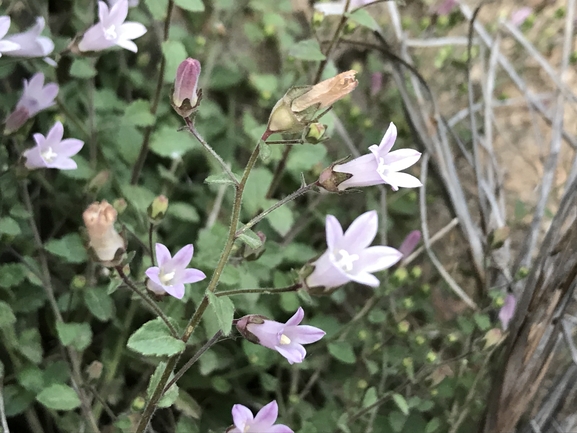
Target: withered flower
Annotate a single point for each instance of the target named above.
(104, 241)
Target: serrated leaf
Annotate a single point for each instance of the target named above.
(364, 18)
(251, 239)
(401, 403)
(308, 49)
(76, 335)
(154, 339)
(59, 397)
(9, 226)
(281, 219)
(69, 247)
(7, 317)
(30, 346)
(482, 320)
(190, 5)
(184, 212)
(99, 303)
(170, 395)
(223, 308)
(169, 143)
(219, 179)
(138, 114)
(82, 68)
(343, 351)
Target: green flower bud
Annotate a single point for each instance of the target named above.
(157, 209)
(403, 326)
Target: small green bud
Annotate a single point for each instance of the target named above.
(416, 272)
(401, 275)
(408, 302)
(363, 334)
(362, 384)
(420, 340)
(499, 301)
(78, 282)
(403, 326)
(138, 404)
(294, 399)
(522, 273)
(431, 357)
(426, 288)
(452, 337)
(408, 362)
(314, 133)
(157, 209)
(350, 27)
(269, 30)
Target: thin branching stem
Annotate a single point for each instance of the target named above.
(147, 299)
(265, 291)
(151, 243)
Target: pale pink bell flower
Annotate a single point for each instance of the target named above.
(53, 152)
(31, 43)
(6, 45)
(263, 422)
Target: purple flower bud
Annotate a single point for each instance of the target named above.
(507, 310)
(185, 84)
(286, 338)
(519, 16)
(410, 243)
(264, 421)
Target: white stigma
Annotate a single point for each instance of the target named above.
(382, 169)
(347, 260)
(110, 33)
(49, 155)
(284, 340)
(166, 279)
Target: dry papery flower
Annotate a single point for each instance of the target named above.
(104, 241)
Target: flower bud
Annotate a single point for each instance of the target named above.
(244, 322)
(185, 96)
(330, 179)
(298, 106)
(410, 243)
(94, 370)
(492, 337)
(104, 241)
(16, 119)
(157, 209)
(315, 133)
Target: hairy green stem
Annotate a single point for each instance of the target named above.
(265, 291)
(209, 149)
(265, 213)
(146, 299)
(150, 243)
(196, 317)
(154, 107)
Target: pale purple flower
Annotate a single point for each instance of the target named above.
(338, 7)
(349, 257)
(286, 338)
(507, 310)
(184, 96)
(263, 422)
(111, 29)
(410, 243)
(131, 3)
(519, 16)
(31, 43)
(381, 165)
(446, 7)
(36, 97)
(172, 274)
(6, 45)
(53, 152)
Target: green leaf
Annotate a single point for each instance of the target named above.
(12, 274)
(308, 49)
(433, 425)
(190, 5)
(224, 310)
(138, 196)
(157, 8)
(16, 400)
(174, 53)
(169, 143)
(138, 113)
(9, 226)
(69, 247)
(186, 425)
(397, 420)
(364, 18)
(343, 351)
(99, 303)
(251, 239)
(482, 320)
(7, 317)
(169, 396)
(30, 346)
(31, 378)
(401, 403)
(370, 397)
(82, 68)
(76, 335)
(59, 397)
(219, 179)
(281, 219)
(154, 339)
(304, 158)
(184, 212)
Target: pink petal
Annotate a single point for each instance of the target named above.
(63, 164)
(279, 428)
(400, 159)
(162, 254)
(127, 45)
(405, 180)
(325, 274)
(34, 86)
(34, 159)
(4, 26)
(118, 13)
(296, 318)
(366, 279)
(294, 353)
(304, 334)
(192, 276)
(388, 140)
(334, 231)
(183, 257)
(39, 138)
(361, 232)
(153, 273)
(94, 39)
(55, 134)
(267, 415)
(176, 290)
(377, 258)
(68, 147)
(131, 30)
(103, 12)
(47, 95)
(240, 416)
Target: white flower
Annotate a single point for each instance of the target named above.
(6, 45)
(111, 29)
(338, 7)
(349, 256)
(31, 43)
(381, 166)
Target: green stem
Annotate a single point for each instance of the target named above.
(146, 299)
(296, 141)
(267, 291)
(154, 107)
(151, 244)
(265, 213)
(196, 317)
(209, 149)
